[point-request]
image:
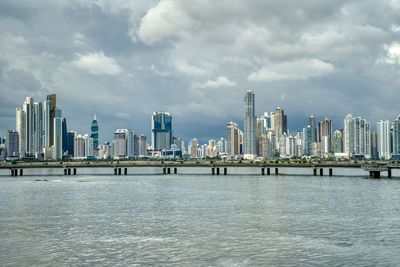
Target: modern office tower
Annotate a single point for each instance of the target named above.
(64, 135)
(299, 144)
(161, 130)
(262, 146)
(88, 146)
(123, 144)
(337, 142)
(383, 130)
(57, 138)
(46, 123)
(29, 126)
(307, 141)
(266, 122)
(260, 129)
(12, 144)
(325, 135)
(361, 137)
(52, 107)
(20, 128)
(143, 145)
(221, 146)
(71, 143)
(280, 125)
(348, 134)
(283, 145)
(193, 148)
(136, 145)
(38, 127)
(95, 132)
(311, 122)
(233, 139)
(374, 145)
(249, 134)
(105, 151)
(79, 147)
(396, 136)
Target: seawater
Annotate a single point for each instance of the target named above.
(196, 219)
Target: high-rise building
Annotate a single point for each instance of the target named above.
(29, 126)
(65, 139)
(325, 135)
(79, 147)
(383, 130)
(279, 121)
(338, 142)
(311, 122)
(249, 134)
(20, 128)
(57, 138)
(123, 144)
(396, 136)
(52, 99)
(307, 141)
(348, 134)
(193, 148)
(142, 146)
(161, 130)
(233, 139)
(95, 132)
(71, 143)
(12, 144)
(374, 145)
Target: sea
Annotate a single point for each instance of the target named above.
(193, 218)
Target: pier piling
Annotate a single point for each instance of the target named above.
(126, 171)
(389, 172)
(169, 170)
(225, 171)
(276, 171)
(74, 171)
(115, 171)
(262, 171)
(21, 172)
(119, 171)
(314, 172)
(213, 171)
(217, 171)
(330, 172)
(321, 172)
(164, 170)
(65, 171)
(175, 170)
(268, 171)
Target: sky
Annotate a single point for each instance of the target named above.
(122, 60)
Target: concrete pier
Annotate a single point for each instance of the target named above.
(276, 171)
(175, 170)
(321, 172)
(389, 172)
(119, 171)
(217, 171)
(330, 172)
(164, 170)
(21, 172)
(115, 171)
(69, 171)
(225, 171)
(262, 171)
(65, 171)
(126, 171)
(268, 171)
(74, 171)
(314, 172)
(213, 171)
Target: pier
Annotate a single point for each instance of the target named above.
(216, 167)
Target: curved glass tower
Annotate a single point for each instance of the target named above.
(95, 132)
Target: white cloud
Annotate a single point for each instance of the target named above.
(392, 53)
(98, 63)
(221, 81)
(183, 66)
(295, 70)
(158, 72)
(165, 19)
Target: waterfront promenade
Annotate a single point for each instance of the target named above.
(216, 167)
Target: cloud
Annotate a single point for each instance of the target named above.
(392, 53)
(221, 81)
(182, 66)
(98, 63)
(296, 70)
(166, 19)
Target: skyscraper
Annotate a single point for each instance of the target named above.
(52, 105)
(249, 125)
(396, 136)
(338, 142)
(232, 139)
(383, 130)
(325, 135)
(65, 139)
(123, 144)
(57, 138)
(307, 140)
(311, 122)
(12, 144)
(95, 132)
(20, 128)
(161, 130)
(348, 138)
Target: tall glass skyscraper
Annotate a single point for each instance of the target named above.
(249, 125)
(161, 130)
(396, 136)
(95, 132)
(383, 130)
(57, 147)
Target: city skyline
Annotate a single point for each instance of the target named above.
(326, 59)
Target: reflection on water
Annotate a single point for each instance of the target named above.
(239, 219)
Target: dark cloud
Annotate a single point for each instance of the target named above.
(122, 60)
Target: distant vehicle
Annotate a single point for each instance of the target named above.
(20, 161)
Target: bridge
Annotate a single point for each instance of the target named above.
(216, 167)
